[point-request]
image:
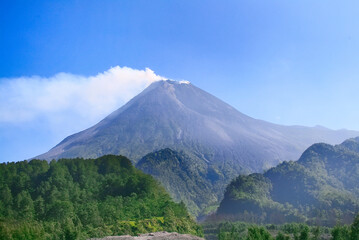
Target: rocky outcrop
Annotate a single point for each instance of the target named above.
(153, 236)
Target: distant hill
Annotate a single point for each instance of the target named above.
(322, 187)
(79, 199)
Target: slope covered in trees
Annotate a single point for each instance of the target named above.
(187, 179)
(322, 187)
(78, 199)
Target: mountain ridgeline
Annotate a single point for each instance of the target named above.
(211, 134)
(322, 187)
(79, 199)
(180, 116)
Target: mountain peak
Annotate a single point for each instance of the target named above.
(177, 82)
(179, 115)
(169, 82)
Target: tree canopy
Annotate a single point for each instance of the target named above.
(78, 199)
(321, 188)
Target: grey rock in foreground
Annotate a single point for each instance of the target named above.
(153, 236)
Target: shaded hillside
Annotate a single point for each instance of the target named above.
(187, 179)
(322, 187)
(180, 116)
(78, 199)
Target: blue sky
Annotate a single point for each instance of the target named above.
(287, 62)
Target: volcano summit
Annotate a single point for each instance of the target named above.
(191, 141)
(182, 117)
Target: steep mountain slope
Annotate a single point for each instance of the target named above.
(180, 116)
(187, 179)
(321, 187)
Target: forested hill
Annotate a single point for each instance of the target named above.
(322, 187)
(78, 199)
(187, 179)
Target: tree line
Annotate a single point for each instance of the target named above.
(79, 199)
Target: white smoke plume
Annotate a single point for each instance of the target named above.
(68, 96)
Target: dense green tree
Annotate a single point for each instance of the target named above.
(354, 230)
(23, 205)
(316, 233)
(340, 233)
(281, 236)
(79, 199)
(258, 233)
(304, 234)
(320, 188)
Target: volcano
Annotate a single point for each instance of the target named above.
(182, 117)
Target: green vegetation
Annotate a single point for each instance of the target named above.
(321, 188)
(78, 199)
(187, 178)
(289, 231)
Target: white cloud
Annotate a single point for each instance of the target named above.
(67, 97)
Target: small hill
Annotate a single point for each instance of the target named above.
(79, 199)
(187, 179)
(322, 187)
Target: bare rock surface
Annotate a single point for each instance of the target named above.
(153, 236)
(182, 117)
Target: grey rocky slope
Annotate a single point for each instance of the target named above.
(180, 116)
(217, 137)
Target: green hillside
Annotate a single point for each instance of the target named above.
(78, 199)
(187, 179)
(322, 187)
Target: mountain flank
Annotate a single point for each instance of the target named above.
(214, 141)
(180, 116)
(322, 187)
